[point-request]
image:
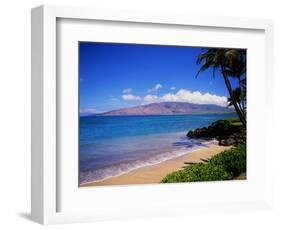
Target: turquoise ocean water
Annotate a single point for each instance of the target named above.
(112, 145)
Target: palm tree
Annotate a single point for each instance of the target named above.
(231, 63)
(237, 93)
(237, 68)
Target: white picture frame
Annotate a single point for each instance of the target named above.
(46, 172)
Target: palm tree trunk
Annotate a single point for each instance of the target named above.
(242, 105)
(237, 109)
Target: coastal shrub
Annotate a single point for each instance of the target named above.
(218, 129)
(223, 166)
(198, 172)
(233, 160)
(223, 128)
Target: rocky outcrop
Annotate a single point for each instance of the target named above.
(234, 139)
(225, 131)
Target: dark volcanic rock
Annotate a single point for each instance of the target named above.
(222, 130)
(227, 142)
(198, 133)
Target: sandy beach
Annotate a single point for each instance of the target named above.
(155, 173)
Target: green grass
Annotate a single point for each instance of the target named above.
(224, 166)
(237, 124)
(234, 121)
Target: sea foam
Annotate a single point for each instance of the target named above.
(95, 175)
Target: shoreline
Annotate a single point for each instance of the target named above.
(152, 174)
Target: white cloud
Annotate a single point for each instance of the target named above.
(128, 90)
(150, 98)
(155, 88)
(130, 97)
(181, 95)
(194, 97)
(173, 88)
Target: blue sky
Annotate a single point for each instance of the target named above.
(114, 76)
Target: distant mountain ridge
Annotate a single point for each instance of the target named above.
(169, 108)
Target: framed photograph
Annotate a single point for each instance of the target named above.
(140, 114)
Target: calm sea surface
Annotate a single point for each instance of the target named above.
(112, 145)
